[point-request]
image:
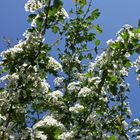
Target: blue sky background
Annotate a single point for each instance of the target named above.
(114, 14)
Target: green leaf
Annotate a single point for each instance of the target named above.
(81, 2)
(127, 64)
(88, 75)
(31, 17)
(90, 56)
(97, 42)
(39, 22)
(57, 3)
(1, 89)
(113, 137)
(98, 28)
(55, 29)
(136, 30)
(95, 14)
(3, 71)
(90, 36)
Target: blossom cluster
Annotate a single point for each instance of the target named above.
(58, 81)
(76, 108)
(53, 64)
(48, 121)
(33, 5)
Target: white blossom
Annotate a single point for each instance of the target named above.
(55, 95)
(128, 111)
(58, 81)
(125, 124)
(2, 117)
(84, 92)
(124, 28)
(95, 80)
(104, 99)
(52, 63)
(135, 130)
(66, 135)
(127, 54)
(40, 135)
(33, 5)
(110, 42)
(12, 51)
(62, 13)
(76, 108)
(48, 121)
(120, 39)
(124, 71)
(65, 14)
(73, 86)
(44, 87)
(91, 66)
(137, 121)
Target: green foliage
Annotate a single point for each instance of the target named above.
(81, 94)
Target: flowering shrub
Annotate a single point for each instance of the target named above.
(87, 97)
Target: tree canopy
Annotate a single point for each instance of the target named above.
(76, 94)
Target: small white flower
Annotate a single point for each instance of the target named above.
(127, 54)
(48, 121)
(52, 63)
(44, 87)
(73, 86)
(95, 80)
(125, 124)
(2, 117)
(77, 108)
(66, 135)
(40, 135)
(33, 5)
(128, 111)
(120, 39)
(84, 92)
(58, 81)
(91, 66)
(110, 42)
(55, 95)
(24, 64)
(127, 26)
(137, 121)
(64, 13)
(135, 130)
(124, 28)
(104, 99)
(124, 71)
(12, 51)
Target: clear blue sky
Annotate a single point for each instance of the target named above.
(114, 14)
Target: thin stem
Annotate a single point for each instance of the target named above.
(88, 9)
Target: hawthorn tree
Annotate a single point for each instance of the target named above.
(87, 98)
